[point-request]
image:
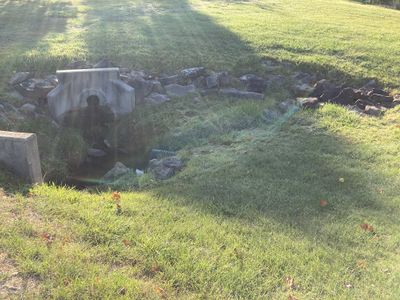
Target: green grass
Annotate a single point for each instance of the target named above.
(245, 212)
(342, 39)
(234, 224)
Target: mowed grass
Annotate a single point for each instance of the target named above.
(344, 40)
(240, 219)
(243, 219)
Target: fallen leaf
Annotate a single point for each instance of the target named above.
(126, 242)
(161, 292)
(116, 196)
(323, 203)
(362, 264)
(367, 227)
(291, 297)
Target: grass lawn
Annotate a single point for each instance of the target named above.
(305, 208)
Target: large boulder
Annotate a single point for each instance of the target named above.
(165, 168)
(117, 171)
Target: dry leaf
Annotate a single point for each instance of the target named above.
(116, 196)
(367, 227)
(323, 203)
(362, 264)
(291, 297)
(161, 292)
(126, 242)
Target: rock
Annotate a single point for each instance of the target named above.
(165, 168)
(79, 64)
(362, 103)
(347, 96)
(52, 79)
(325, 90)
(34, 88)
(143, 88)
(277, 81)
(254, 83)
(96, 153)
(104, 63)
(302, 77)
(310, 102)
(373, 111)
(174, 79)
(119, 170)
(157, 87)
(28, 109)
(176, 90)
(212, 81)
(193, 73)
(226, 80)
(235, 93)
(287, 105)
(302, 89)
(381, 99)
(270, 115)
(356, 109)
(200, 82)
(156, 98)
(378, 91)
(19, 77)
(396, 99)
(137, 75)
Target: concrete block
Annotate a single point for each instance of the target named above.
(75, 86)
(19, 151)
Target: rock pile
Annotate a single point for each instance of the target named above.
(368, 99)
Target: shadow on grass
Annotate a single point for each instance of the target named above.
(24, 23)
(161, 36)
(283, 176)
(393, 4)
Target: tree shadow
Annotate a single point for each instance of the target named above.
(283, 176)
(392, 4)
(24, 23)
(161, 36)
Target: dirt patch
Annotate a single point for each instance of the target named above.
(12, 283)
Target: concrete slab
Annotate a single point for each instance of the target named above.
(19, 151)
(75, 86)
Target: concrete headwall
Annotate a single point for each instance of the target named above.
(19, 152)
